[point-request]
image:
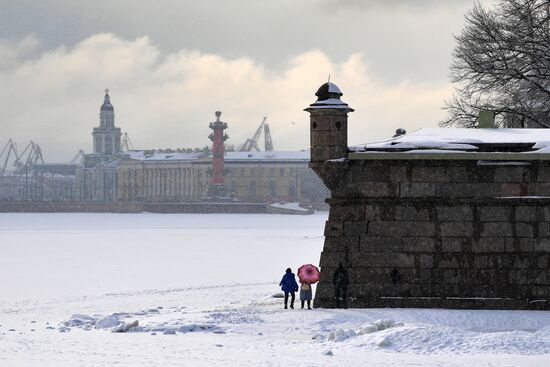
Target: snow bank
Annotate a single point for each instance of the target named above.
(120, 323)
(339, 335)
(292, 206)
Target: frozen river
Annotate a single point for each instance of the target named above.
(198, 291)
(47, 255)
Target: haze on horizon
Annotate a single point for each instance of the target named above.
(169, 65)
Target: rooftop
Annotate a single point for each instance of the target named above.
(300, 155)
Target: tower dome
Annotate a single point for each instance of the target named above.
(107, 106)
(327, 91)
(328, 96)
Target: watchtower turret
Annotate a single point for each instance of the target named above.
(328, 124)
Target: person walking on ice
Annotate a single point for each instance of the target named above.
(289, 286)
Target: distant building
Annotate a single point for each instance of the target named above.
(250, 177)
(107, 135)
(174, 177)
(40, 182)
(97, 180)
(159, 177)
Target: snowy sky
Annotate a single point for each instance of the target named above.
(171, 63)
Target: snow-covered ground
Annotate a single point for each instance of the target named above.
(201, 290)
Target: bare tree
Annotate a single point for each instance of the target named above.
(502, 63)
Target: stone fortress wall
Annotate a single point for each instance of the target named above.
(451, 230)
(422, 233)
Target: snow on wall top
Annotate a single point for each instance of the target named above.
(462, 139)
(330, 103)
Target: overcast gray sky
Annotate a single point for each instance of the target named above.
(170, 64)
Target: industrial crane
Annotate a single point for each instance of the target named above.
(252, 143)
(33, 155)
(267, 138)
(126, 143)
(78, 157)
(9, 148)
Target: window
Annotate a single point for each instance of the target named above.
(282, 172)
(243, 173)
(252, 189)
(292, 191)
(272, 188)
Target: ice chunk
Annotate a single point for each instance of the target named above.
(124, 327)
(383, 342)
(368, 329)
(108, 322)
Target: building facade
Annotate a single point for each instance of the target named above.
(258, 177)
(156, 177)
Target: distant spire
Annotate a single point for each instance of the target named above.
(329, 78)
(107, 106)
(107, 97)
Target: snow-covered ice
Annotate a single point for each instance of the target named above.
(198, 290)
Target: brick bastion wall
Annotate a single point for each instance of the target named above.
(453, 233)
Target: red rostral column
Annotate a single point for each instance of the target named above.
(218, 138)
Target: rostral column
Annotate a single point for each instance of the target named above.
(217, 188)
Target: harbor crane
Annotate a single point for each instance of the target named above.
(126, 143)
(9, 149)
(32, 154)
(78, 157)
(252, 143)
(267, 139)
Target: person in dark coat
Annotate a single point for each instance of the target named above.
(289, 286)
(340, 280)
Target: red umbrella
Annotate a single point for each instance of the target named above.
(308, 274)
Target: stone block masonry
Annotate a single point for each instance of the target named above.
(449, 218)
(437, 233)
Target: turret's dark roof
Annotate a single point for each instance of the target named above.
(328, 96)
(327, 91)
